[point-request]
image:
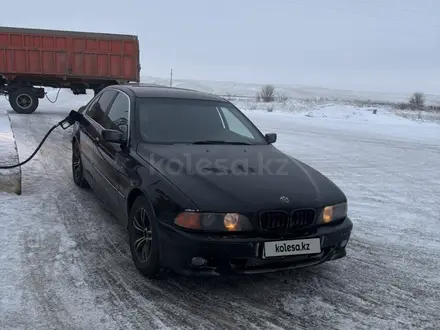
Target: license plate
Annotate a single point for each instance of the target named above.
(292, 247)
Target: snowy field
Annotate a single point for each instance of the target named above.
(65, 263)
(292, 91)
(308, 98)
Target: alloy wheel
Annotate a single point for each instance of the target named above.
(142, 235)
(76, 162)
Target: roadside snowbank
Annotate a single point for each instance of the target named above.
(320, 109)
(342, 113)
(340, 110)
(10, 180)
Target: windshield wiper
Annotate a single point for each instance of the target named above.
(220, 142)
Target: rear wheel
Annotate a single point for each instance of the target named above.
(143, 239)
(23, 100)
(77, 167)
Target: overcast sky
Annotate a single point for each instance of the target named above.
(389, 45)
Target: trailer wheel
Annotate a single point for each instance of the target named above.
(23, 100)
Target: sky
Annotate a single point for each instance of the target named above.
(376, 45)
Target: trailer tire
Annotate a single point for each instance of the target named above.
(23, 100)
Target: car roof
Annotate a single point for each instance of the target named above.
(153, 90)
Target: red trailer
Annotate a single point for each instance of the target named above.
(31, 59)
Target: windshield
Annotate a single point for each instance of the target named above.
(170, 120)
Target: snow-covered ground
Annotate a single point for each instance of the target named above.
(65, 263)
(307, 98)
(10, 180)
(292, 91)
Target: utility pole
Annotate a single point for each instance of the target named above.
(171, 78)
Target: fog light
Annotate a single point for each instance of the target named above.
(344, 243)
(198, 261)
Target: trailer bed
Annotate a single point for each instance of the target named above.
(63, 59)
(68, 54)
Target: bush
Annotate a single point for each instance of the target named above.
(267, 93)
(401, 106)
(417, 101)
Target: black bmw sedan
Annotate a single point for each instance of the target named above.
(201, 190)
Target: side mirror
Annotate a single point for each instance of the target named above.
(113, 136)
(271, 137)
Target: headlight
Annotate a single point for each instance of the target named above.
(334, 213)
(213, 221)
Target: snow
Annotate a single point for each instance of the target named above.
(10, 180)
(66, 262)
(292, 91)
(384, 124)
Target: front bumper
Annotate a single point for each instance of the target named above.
(240, 255)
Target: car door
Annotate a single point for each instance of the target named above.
(97, 116)
(109, 154)
(87, 136)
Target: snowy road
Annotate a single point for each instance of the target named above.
(65, 263)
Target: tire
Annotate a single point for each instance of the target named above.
(143, 232)
(77, 167)
(23, 100)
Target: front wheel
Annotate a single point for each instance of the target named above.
(23, 100)
(143, 239)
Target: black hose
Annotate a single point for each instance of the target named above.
(7, 167)
(73, 117)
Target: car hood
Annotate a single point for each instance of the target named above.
(241, 178)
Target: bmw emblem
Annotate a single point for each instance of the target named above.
(284, 200)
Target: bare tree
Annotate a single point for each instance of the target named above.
(417, 101)
(257, 97)
(267, 93)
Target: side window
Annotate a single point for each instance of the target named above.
(118, 114)
(90, 105)
(235, 125)
(97, 110)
